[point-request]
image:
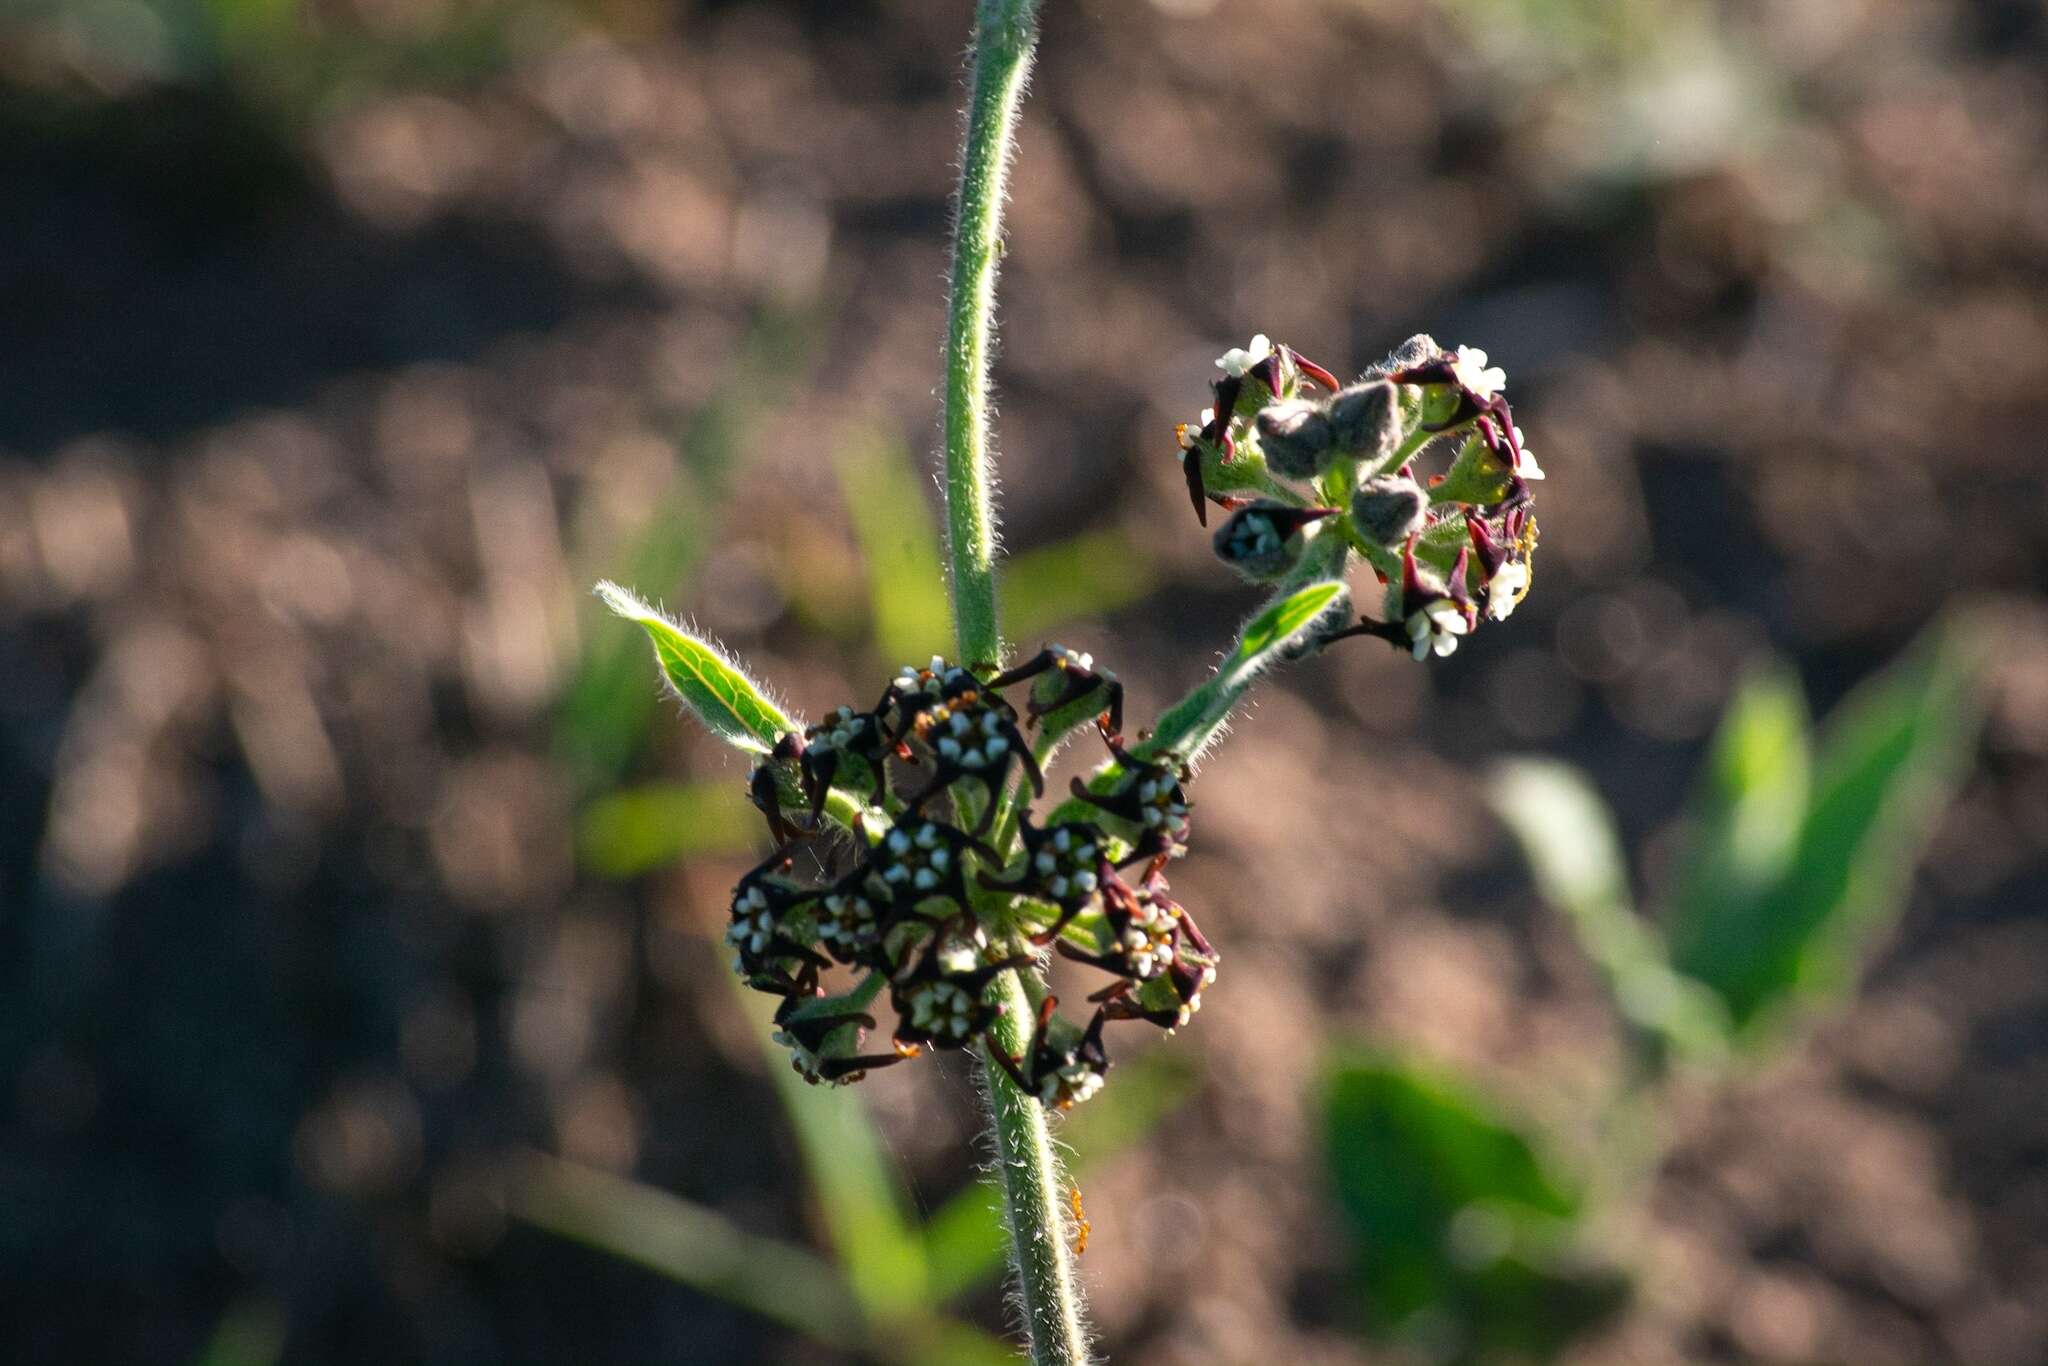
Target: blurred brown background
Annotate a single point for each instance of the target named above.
(345, 344)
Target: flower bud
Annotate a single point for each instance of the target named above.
(1365, 420)
(1417, 350)
(1296, 437)
(1389, 508)
(1264, 540)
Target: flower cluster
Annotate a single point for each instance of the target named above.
(1313, 471)
(923, 906)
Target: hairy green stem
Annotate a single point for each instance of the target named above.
(1005, 33)
(1029, 1174)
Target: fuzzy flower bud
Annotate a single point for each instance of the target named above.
(1419, 349)
(1296, 436)
(1365, 420)
(1389, 508)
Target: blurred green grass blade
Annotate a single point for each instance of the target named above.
(641, 829)
(937, 1341)
(1086, 575)
(610, 703)
(899, 543)
(1461, 1222)
(1887, 759)
(1747, 806)
(689, 1244)
(860, 1198)
(702, 1249)
(1568, 837)
(963, 1239)
(710, 682)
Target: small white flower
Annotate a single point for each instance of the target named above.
(1480, 379)
(1505, 589)
(1528, 469)
(1236, 361)
(1436, 628)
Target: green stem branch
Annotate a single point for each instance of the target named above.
(1005, 33)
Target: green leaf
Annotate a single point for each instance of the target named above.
(1467, 1235)
(1887, 760)
(1748, 803)
(731, 705)
(1190, 725)
(605, 713)
(1279, 627)
(641, 829)
(1569, 839)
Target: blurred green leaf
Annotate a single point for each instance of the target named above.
(730, 704)
(1749, 800)
(859, 1195)
(1086, 575)
(640, 829)
(1887, 760)
(963, 1239)
(1568, 837)
(899, 542)
(1466, 1234)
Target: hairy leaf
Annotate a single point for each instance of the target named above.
(1272, 632)
(731, 705)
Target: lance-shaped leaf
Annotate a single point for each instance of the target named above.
(1190, 724)
(1886, 761)
(731, 705)
(1748, 802)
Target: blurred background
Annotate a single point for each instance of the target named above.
(360, 994)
